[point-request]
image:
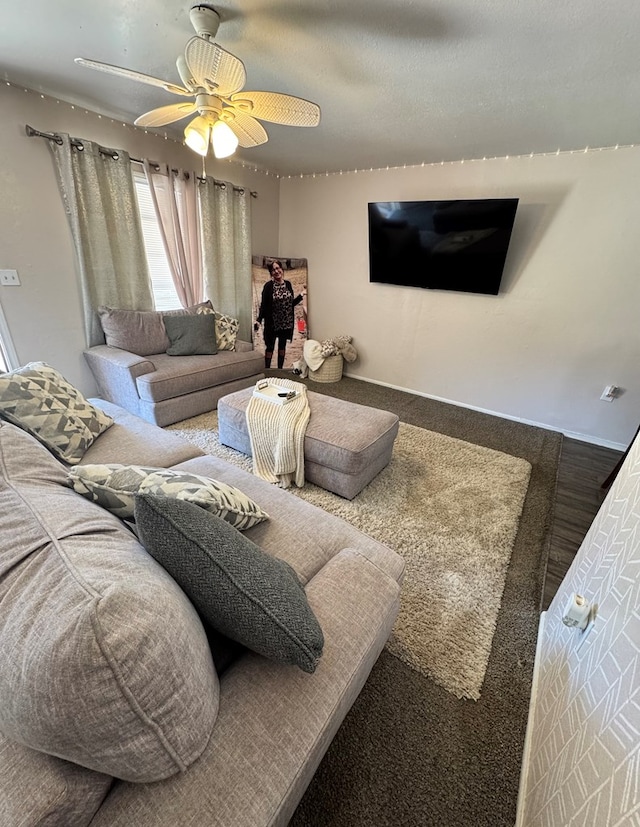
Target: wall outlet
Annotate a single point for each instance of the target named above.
(610, 393)
(9, 278)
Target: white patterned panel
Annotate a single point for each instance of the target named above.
(585, 733)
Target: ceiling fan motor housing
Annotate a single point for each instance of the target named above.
(205, 20)
(209, 106)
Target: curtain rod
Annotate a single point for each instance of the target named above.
(112, 153)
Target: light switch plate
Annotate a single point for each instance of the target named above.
(9, 278)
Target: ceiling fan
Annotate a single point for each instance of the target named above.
(214, 78)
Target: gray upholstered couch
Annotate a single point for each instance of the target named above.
(134, 370)
(234, 750)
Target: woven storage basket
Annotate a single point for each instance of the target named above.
(329, 371)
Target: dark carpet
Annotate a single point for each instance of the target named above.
(409, 753)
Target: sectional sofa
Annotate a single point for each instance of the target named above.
(117, 710)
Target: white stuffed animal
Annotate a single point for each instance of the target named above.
(300, 369)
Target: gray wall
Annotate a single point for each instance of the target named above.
(541, 352)
(564, 326)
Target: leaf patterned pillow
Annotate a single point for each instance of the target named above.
(38, 399)
(114, 486)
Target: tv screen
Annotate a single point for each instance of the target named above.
(441, 245)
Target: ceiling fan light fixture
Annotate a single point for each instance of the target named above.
(196, 135)
(214, 80)
(223, 140)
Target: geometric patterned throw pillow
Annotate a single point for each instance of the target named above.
(114, 487)
(226, 331)
(226, 328)
(38, 399)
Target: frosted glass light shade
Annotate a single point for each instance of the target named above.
(223, 140)
(196, 135)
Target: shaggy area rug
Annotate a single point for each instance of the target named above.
(451, 509)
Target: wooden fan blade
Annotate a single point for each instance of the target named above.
(132, 75)
(277, 108)
(247, 130)
(214, 69)
(166, 114)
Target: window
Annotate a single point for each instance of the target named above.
(8, 355)
(164, 291)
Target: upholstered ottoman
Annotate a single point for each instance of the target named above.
(345, 445)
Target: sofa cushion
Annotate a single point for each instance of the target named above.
(114, 486)
(226, 331)
(133, 441)
(141, 331)
(177, 377)
(105, 662)
(240, 590)
(191, 335)
(39, 399)
(38, 790)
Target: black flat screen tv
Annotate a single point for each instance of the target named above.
(441, 245)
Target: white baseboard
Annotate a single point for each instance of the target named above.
(526, 753)
(593, 440)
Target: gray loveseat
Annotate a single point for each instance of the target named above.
(134, 370)
(237, 750)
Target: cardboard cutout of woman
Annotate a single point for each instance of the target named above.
(276, 313)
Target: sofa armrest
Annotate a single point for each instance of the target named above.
(115, 372)
(243, 347)
(275, 722)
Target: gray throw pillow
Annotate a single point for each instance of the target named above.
(38, 399)
(191, 335)
(236, 587)
(103, 659)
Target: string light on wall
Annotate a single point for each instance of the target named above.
(135, 129)
(530, 155)
(587, 149)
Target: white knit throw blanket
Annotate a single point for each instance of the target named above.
(277, 435)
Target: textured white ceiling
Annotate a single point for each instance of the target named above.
(398, 81)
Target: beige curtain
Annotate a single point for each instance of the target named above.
(176, 205)
(226, 249)
(99, 198)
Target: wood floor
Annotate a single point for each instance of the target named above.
(583, 469)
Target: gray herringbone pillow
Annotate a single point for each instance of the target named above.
(114, 486)
(236, 587)
(38, 399)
